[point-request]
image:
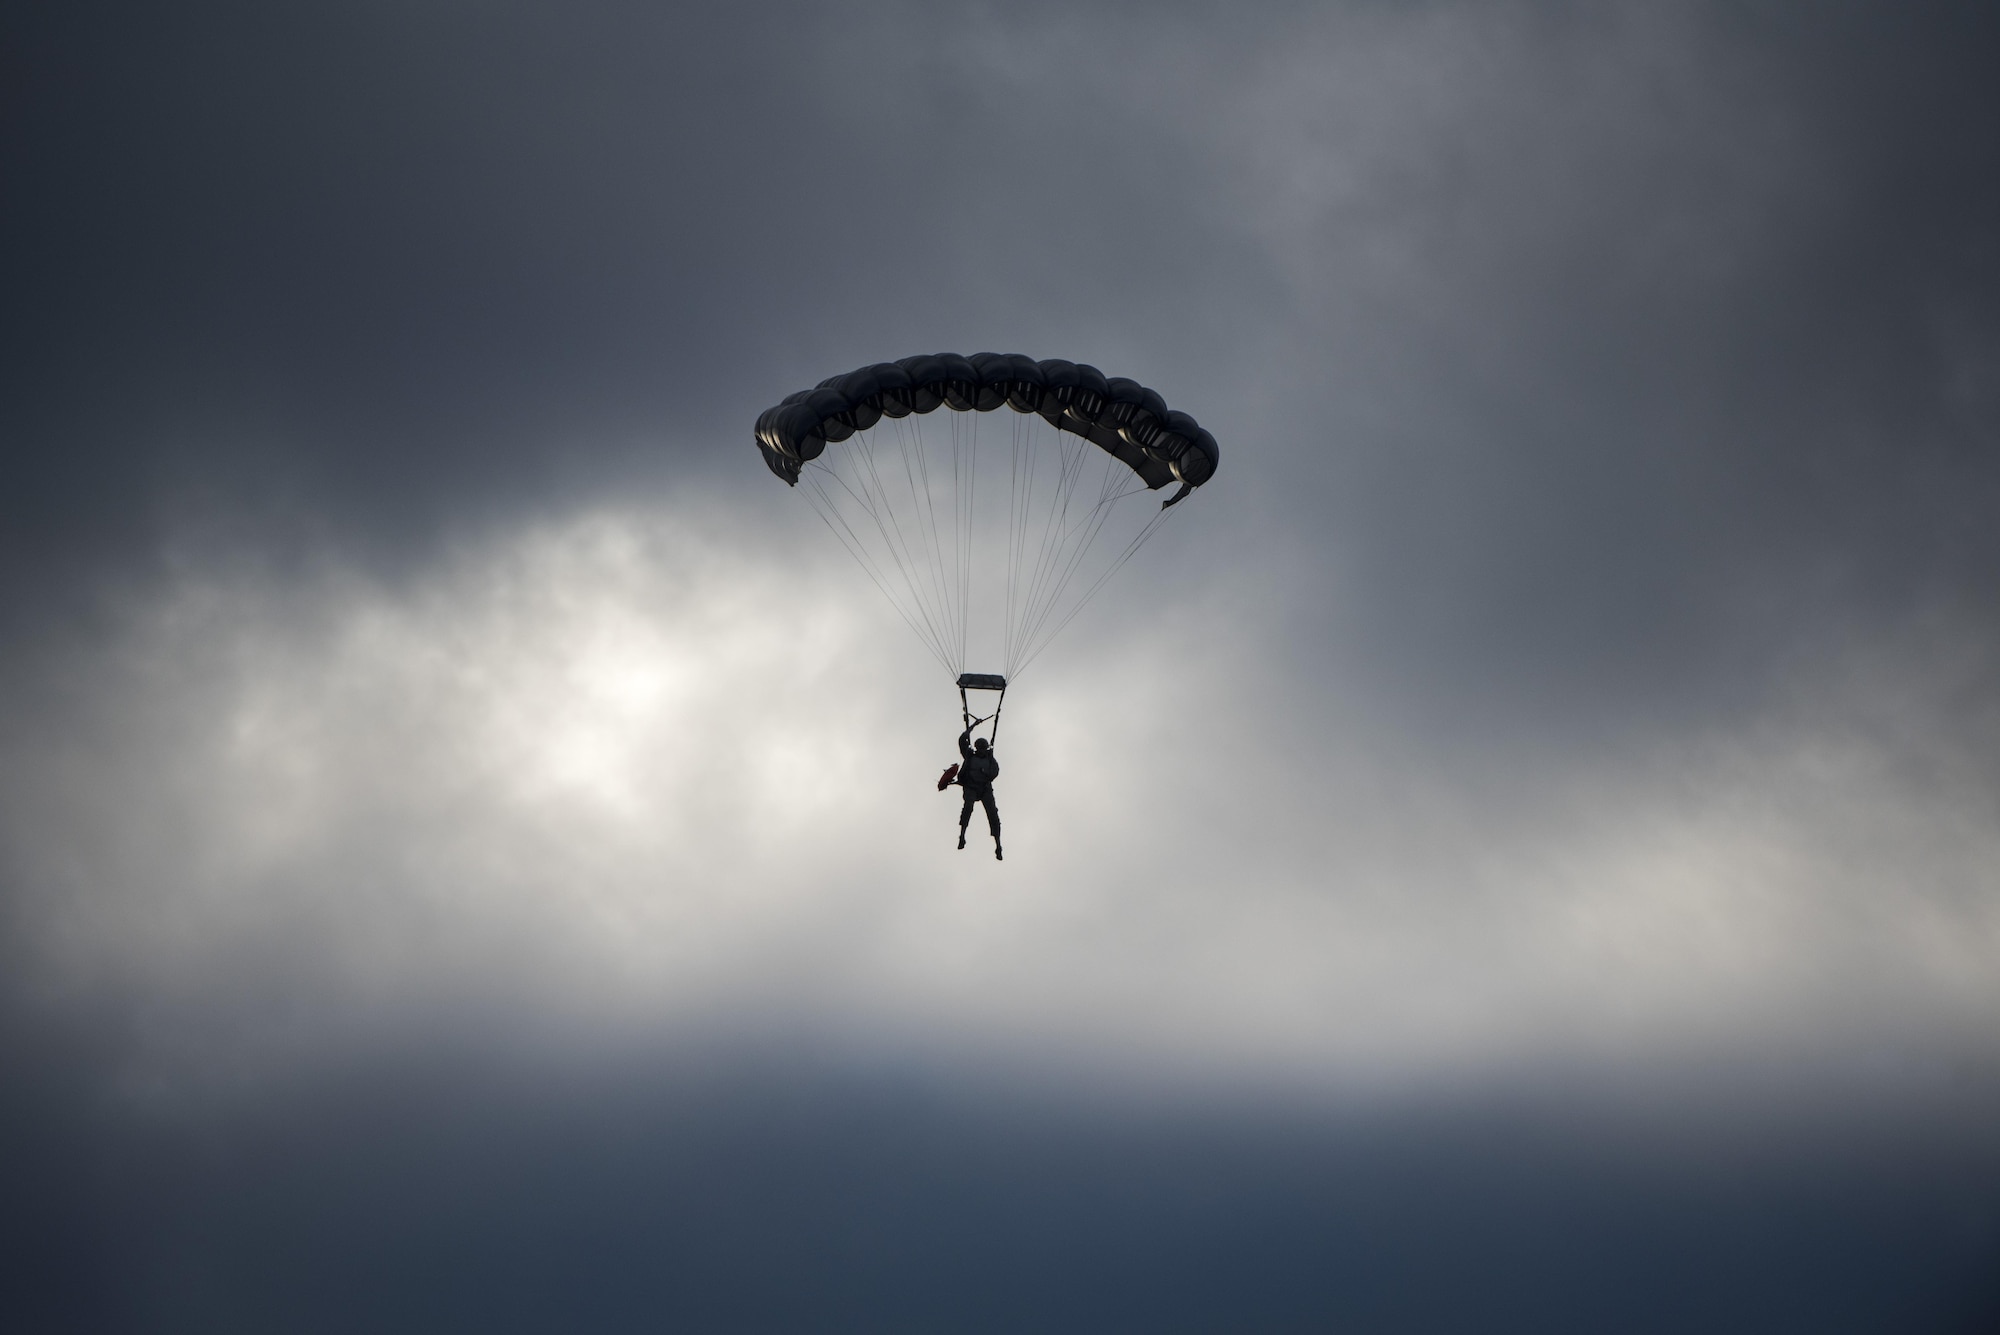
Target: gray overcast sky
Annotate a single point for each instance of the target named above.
(1522, 848)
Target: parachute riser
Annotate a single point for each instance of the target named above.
(982, 681)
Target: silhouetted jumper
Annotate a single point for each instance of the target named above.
(975, 777)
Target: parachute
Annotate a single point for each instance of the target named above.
(986, 547)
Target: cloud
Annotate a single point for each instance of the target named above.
(624, 768)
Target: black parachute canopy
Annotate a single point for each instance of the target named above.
(1120, 416)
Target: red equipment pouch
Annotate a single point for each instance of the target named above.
(949, 776)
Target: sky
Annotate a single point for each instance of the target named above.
(1519, 850)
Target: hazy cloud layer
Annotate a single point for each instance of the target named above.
(615, 762)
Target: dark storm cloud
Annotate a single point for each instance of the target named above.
(1673, 377)
(433, 1188)
(361, 267)
(1688, 317)
(1593, 629)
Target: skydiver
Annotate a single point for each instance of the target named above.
(975, 776)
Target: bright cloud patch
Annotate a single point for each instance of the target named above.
(614, 768)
